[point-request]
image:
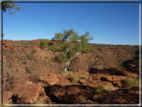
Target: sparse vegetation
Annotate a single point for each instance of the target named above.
(83, 98)
(34, 51)
(42, 65)
(129, 82)
(28, 70)
(74, 77)
(104, 88)
(7, 57)
(29, 57)
(46, 57)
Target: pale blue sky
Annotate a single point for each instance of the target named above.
(108, 23)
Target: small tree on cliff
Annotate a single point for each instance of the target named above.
(68, 48)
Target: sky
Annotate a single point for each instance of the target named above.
(108, 23)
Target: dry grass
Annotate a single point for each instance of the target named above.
(83, 98)
(104, 88)
(74, 77)
(129, 82)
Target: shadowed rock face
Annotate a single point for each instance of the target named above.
(110, 71)
(72, 94)
(120, 96)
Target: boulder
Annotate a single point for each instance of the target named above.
(29, 93)
(50, 80)
(118, 78)
(7, 97)
(43, 98)
(63, 82)
(82, 81)
(120, 96)
(72, 94)
(117, 83)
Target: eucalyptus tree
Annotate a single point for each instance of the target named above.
(10, 6)
(68, 48)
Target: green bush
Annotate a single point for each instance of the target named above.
(129, 82)
(83, 98)
(49, 48)
(29, 57)
(7, 57)
(42, 43)
(28, 70)
(34, 51)
(46, 57)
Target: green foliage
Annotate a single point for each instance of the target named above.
(56, 48)
(28, 70)
(49, 48)
(63, 56)
(97, 56)
(56, 59)
(83, 98)
(85, 38)
(87, 48)
(129, 82)
(34, 51)
(43, 42)
(29, 57)
(9, 6)
(46, 57)
(68, 49)
(7, 57)
(41, 45)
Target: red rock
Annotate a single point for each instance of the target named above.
(29, 93)
(90, 78)
(43, 98)
(82, 80)
(51, 80)
(117, 84)
(7, 97)
(118, 78)
(72, 94)
(64, 82)
(96, 77)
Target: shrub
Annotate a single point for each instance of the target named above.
(129, 82)
(12, 86)
(29, 57)
(85, 77)
(8, 89)
(136, 83)
(7, 57)
(43, 42)
(52, 58)
(28, 70)
(72, 76)
(34, 51)
(46, 57)
(83, 98)
(104, 88)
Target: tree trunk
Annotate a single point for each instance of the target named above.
(68, 63)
